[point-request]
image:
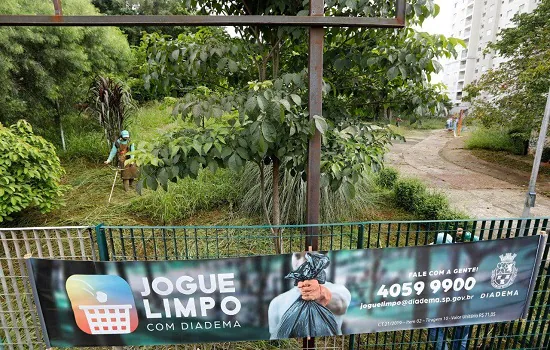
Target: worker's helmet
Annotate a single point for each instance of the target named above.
(124, 134)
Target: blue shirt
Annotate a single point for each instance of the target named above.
(114, 148)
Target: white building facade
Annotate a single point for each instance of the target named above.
(478, 22)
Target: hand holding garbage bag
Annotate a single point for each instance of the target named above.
(308, 316)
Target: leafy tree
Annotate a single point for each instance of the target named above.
(146, 7)
(269, 123)
(47, 70)
(30, 172)
(513, 95)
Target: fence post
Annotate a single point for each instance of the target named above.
(360, 237)
(102, 243)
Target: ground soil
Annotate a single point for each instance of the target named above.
(481, 188)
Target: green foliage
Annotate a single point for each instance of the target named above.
(47, 70)
(30, 172)
(519, 85)
(172, 66)
(189, 196)
(427, 124)
(336, 205)
(84, 141)
(409, 193)
(495, 139)
(413, 196)
(431, 206)
(146, 7)
(387, 177)
(111, 103)
(366, 70)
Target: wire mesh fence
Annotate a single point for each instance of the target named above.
(19, 327)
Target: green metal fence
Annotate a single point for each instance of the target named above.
(201, 242)
(18, 319)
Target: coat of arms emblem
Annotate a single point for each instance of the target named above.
(505, 273)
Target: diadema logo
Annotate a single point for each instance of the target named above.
(505, 273)
(102, 304)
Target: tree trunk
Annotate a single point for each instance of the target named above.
(388, 114)
(276, 61)
(60, 124)
(276, 209)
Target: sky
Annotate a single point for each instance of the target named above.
(439, 25)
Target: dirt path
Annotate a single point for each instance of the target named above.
(479, 188)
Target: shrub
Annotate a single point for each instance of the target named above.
(387, 177)
(546, 154)
(412, 195)
(495, 140)
(30, 172)
(431, 206)
(186, 197)
(408, 193)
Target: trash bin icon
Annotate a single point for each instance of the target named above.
(111, 319)
(102, 304)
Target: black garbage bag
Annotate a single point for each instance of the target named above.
(308, 318)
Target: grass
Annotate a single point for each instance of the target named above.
(188, 197)
(212, 199)
(494, 140)
(425, 124)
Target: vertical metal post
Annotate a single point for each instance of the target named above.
(102, 243)
(315, 71)
(531, 194)
(360, 238)
(315, 76)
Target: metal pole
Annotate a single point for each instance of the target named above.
(316, 39)
(531, 194)
(315, 76)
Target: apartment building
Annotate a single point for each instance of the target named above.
(478, 22)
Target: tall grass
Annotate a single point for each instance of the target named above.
(493, 139)
(335, 206)
(188, 196)
(426, 124)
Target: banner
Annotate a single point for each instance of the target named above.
(87, 303)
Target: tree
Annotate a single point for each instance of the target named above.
(47, 70)
(270, 124)
(514, 94)
(30, 172)
(146, 7)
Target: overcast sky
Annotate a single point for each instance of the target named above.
(440, 25)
